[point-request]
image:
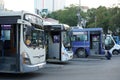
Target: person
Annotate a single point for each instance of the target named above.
(108, 55)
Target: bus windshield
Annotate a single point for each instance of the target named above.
(108, 43)
(115, 39)
(33, 37)
(66, 39)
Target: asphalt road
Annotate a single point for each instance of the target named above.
(93, 68)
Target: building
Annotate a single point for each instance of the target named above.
(1, 5)
(50, 5)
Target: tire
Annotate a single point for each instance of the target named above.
(81, 53)
(115, 52)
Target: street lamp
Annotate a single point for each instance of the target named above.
(79, 16)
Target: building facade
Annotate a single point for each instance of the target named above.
(50, 5)
(1, 4)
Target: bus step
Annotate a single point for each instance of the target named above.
(7, 60)
(7, 67)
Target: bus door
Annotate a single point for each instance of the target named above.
(7, 47)
(53, 41)
(95, 42)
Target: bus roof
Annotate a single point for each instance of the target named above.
(56, 27)
(56, 24)
(15, 13)
(10, 13)
(11, 17)
(87, 29)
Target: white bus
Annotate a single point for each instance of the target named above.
(22, 46)
(58, 43)
(111, 45)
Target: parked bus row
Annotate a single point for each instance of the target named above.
(26, 44)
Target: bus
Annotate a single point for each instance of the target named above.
(22, 46)
(111, 45)
(117, 39)
(58, 43)
(87, 41)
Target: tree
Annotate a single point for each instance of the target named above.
(106, 18)
(67, 16)
(91, 17)
(115, 19)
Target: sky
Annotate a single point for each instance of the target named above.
(28, 5)
(18, 5)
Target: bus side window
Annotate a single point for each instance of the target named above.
(73, 38)
(56, 38)
(78, 39)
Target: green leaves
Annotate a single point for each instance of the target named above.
(67, 16)
(107, 18)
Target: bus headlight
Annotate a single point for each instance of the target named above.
(26, 59)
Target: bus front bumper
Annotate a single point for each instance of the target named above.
(32, 68)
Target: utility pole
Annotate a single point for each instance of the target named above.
(78, 14)
(1, 4)
(118, 3)
(53, 5)
(43, 4)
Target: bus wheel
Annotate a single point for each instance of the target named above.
(115, 52)
(81, 53)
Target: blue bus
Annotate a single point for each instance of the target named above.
(87, 41)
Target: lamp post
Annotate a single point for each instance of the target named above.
(53, 5)
(78, 14)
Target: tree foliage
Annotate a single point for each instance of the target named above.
(106, 18)
(67, 16)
